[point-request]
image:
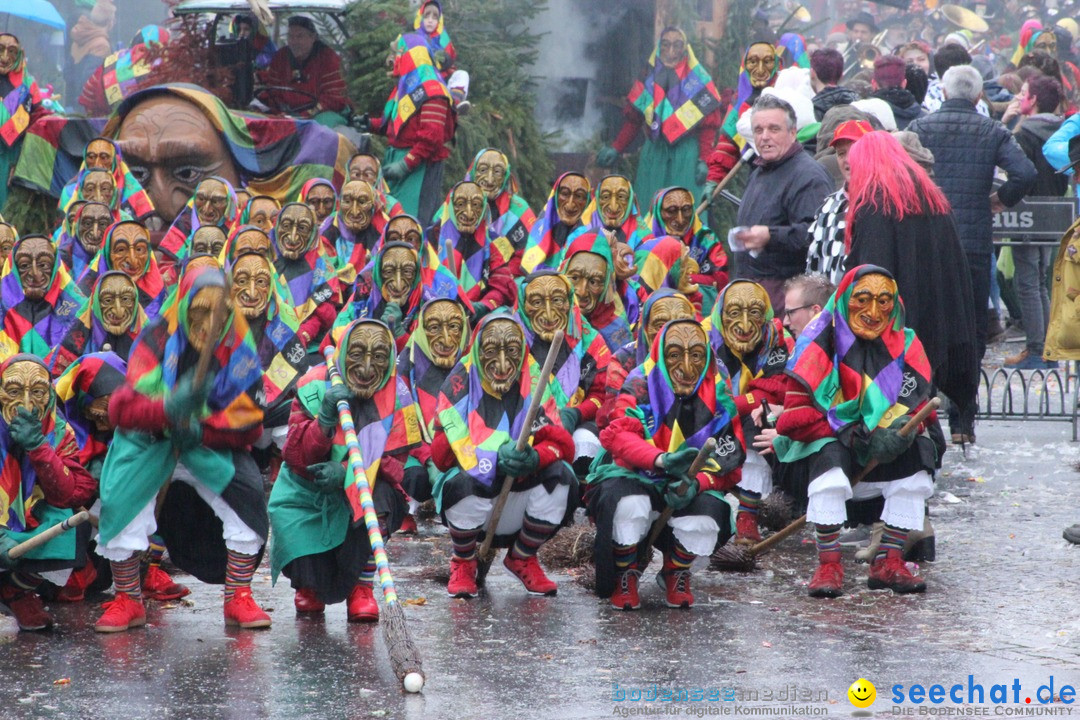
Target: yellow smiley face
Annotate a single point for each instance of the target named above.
(862, 693)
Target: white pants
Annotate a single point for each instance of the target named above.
(134, 538)
(756, 474)
(458, 85)
(634, 517)
(586, 444)
(474, 512)
(272, 436)
(905, 498)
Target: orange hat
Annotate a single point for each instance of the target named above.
(850, 130)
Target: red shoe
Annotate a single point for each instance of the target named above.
(362, 605)
(159, 586)
(891, 572)
(244, 612)
(625, 596)
(26, 607)
(676, 585)
(828, 580)
(75, 588)
(531, 575)
(305, 601)
(462, 578)
(121, 613)
(746, 529)
(408, 525)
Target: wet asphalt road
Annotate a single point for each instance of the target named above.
(1001, 604)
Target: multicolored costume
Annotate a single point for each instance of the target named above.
(706, 248)
(133, 198)
(35, 326)
(608, 317)
(22, 105)
(480, 260)
(151, 286)
(549, 234)
(176, 245)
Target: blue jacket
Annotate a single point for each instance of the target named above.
(1056, 148)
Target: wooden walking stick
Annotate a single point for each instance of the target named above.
(46, 535)
(404, 656)
(706, 202)
(486, 554)
(658, 526)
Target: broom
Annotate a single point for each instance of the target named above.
(404, 657)
(658, 526)
(45, 536)
(732, 557)
(486, 555)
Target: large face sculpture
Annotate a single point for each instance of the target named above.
(677, 211)
(364, 167)
(664, 311)
(321, 199)
(588, 272)
(211, 201)
(35, 260)
(367, 360)
(443, 322)
(547, 305)
(117, 298)
(399, 268)
(468, 206)
(100, 153)
(200, 315)
(502, 351)
(208, 240)
(760, 63)
(295, 230)
(251, 240)
(686, 350)
(572, 198)
(130, 251)
(263, 213)
(7, 240)
(93, 221)
(490, 172)
(251, 281)
(406, 230)
(614, 200)
(745, 307)
(25, 384)
(98, 186)
(10, 53)
(870, 306)
(357, 205)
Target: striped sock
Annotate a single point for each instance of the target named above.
(748, 501)
(367, 573)
(239, 569)
(26, 580)
(892, 538)
(680, 557)
(828, 538)
(157, 550)
(464, 542)
(625, 556)
(126, 576)
(534, 533)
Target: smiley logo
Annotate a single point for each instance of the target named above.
(862, 693)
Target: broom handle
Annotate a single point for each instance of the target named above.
(798, 523)
(695, 468)
(523, 436)
(706, 202)
(45, 536)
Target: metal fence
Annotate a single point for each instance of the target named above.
(1050, 395)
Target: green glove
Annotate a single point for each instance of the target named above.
(681, 493)
(187, 434)
(25, 429)
(328, 414)
(433, 472)
(396, 171)
(677, 463)
(328, 477)
(570, 418)
(186, 401)
(701, 172)
(441, 58)
(6, 543)
(887, 444)
(392, 315)
(517, 464)
(607, 156)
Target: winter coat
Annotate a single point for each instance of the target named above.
(830, 97)
(1031, 135)
(904, 106)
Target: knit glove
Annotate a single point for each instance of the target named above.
(6, 544)
(607, 156)
(25, 430)
(887, 444)
(514, 463)
(392, 315)
(680, 493)
(676, 464)
(441, 59)
(328, 414)
(706, 194)
(188, 434)
(186, 402)
(396, 171)
(328, 477)
(570, 418)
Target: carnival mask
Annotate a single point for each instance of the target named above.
(572, 198)
(97, 412)
(588, 272)
(677, 212)
(263, 213)
(200, 314)
(547, 305)
(251, 280)
(672, 48)
(686, 351)
(664, 311)
(406, 230)
(687, 269)
(242, 197)
(7, 240)
(35, 261)
(759, 64)
(367, 361)
(197, 261)
(10, 53)
(614, 200)
(745, 307)
(117, 298)
(25, 385)
(468, 204)
(211, 201)
(93, 222)
(363, 167)
(502, 352)
(490, 172)
(130, 251)
(444, 324)
(252, 241)
(98, 186)
(871, 306)
(100, 154)
(1047, 43)
(321, 199)
(295, 230)
(208, 240)
(399, 268)
(357, 205)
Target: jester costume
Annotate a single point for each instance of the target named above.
(664, 262)
(131, 195)
(353, 249)
(22, 105)
(313, 287)
(305, 192)
(176, 245)
(480, 260)
(75, 256)
(608, 317)
(151, 286)
(630, 228)
(706, 248)
(549, 234)
(35, 326)
(371, 303)
(511, 216)
(125, 72)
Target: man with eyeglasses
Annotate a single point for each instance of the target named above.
(804, 296)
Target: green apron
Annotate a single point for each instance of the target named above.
(407, 190)
(662, 165)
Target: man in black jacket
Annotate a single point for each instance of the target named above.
(782, 196)
(967, 147)
(890, 85)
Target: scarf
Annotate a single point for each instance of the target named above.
(92, 376)
(21, 330)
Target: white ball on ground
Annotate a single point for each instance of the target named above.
(413, 682)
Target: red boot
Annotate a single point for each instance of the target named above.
(462, 578)
(121, 613)
(362, 605)
(408, 525)
(75, 588)
(305, 601)
(890, 571)
(625, 596)
(746, 529)
(244, 612)
(158, 585)
(26, 607)
(531, 575)
(828, 580)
